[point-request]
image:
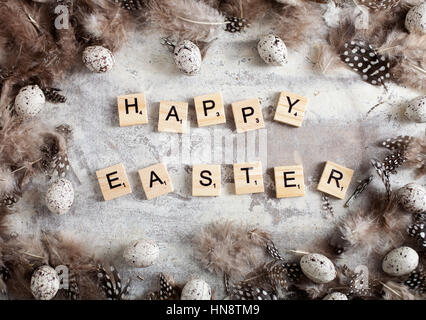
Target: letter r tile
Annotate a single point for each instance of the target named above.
(113, 182)
(335, 180)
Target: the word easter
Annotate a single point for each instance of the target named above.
(206, 180)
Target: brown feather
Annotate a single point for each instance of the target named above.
(293, 22)
(186, 19)
(224, 247)
(251, 10)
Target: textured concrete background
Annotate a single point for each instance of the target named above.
(336, 127)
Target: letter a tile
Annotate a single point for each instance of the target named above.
(113, 182)
(155, 181)
(335, 180)
(173, 117)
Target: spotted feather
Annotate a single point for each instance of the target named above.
(362, 58)
(377, 5)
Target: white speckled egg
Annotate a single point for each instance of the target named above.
(196, 289)
(44, 283)
(98, 59)
(29, 101)
(336, 296)
(60, 196)
(318, 268)
(412, 198)
(272, 50)
(400, 261)
(141, 253)
(416, 109)
(188, 57)
(415, 20)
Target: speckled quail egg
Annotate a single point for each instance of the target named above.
(44, 283)
(336, 296)
(272, 50)
(29, 101)
(141, 253)
(196, 289)
(400, 261)
(415, 20)
(318, 268)
(98, 59)
(188, 57)
(416, 109)
(60, 196)
(412, 198)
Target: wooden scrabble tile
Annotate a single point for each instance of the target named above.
(206, 180)
(113, 182)
(289, 181)
(209, 109)
(248, 177)
(173, 116)
(132, 109)
(247, 115)
(155, 181)
(335, 180)
(291, 109)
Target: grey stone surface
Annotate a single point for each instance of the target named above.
(338, 127)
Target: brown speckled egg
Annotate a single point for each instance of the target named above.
(412, 198)
(196, 289)
(60, 196)
(98, 59)
(188, 57)
(141, 253)
(416, 110)
(400, 261)
(336, 296)
(44, 283)
(29, 101)
(415, 20)
(272, 50)
(318, 268)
